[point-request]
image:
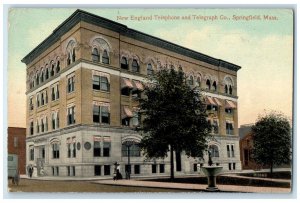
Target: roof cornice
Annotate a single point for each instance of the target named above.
(80, 15)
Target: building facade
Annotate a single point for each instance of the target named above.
(83, 82)
(16, 144)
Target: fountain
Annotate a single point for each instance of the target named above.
(211, 172)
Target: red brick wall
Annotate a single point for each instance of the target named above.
(18, 147)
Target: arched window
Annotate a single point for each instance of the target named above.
(57, 67)
(105, 57)
(47, 74)
(73, 55)
(52, 70)
(198, 81)
(124, 63)
(230, 90)
(228, 82)
(214, 150)
(208, 84)
(42, 76)
(95, 55)
(69, 59)
(37, 79)
(135, 66)
(214, 86)
(149, 69)
(71, 52)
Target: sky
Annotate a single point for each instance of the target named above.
(263, 48)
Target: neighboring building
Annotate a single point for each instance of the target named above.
(16, 141)
(246, 150)
(83, 82)
(246, 146)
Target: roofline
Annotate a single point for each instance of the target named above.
(80, 15)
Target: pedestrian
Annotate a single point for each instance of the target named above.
(30, 172)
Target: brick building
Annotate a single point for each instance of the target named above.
(16, 141)
(82, 85)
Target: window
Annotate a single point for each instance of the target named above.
(73, 55)
(42, 76)
(161, 168)
(55, 171)
(101, 114)
(214, 150)
(52, 70)
(69, 149)
(135, 119)
(106, 149)
(57, 67)
(229, 128)
(208, 84)
(47, 74)
(69, 170)
(178, 161)
(229, 166)
(212, 108)
(38, 99)
(214, 86)
(97, 149)
(154, 168)
(54, 92)
(31, 103)
(195, 167)
(55, 120)
(31, 127)
(230, 90)
(215, 127)
(149, 69)
(229, 111)
(55, 151)
(128, 168)
(71, 84)
(198, 83)
(135, 66)
(124, 63)
(136, 169)
(42, 99)
(226, 89)
(230, 150)
(37, 81)
(106, 169)
(233, 166)
(100, 83)
(71, 115)
(95, 55)
(126, 121)
(125, 91)
(97, 170)
(31, 155)
(74, 149)
(105, 57)
(69, 59)
(134, 150)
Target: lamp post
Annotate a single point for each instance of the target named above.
(128, 145)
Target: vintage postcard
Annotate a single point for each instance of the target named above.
(82, 116)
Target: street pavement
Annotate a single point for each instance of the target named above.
(183, 186)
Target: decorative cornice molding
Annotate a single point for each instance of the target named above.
(80, 15)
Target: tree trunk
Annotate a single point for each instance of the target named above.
(271, 170)
(172, 163)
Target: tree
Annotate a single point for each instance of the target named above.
(174, 118)
(272, 140)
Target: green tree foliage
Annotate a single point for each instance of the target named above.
(272, 140)
(174, 118)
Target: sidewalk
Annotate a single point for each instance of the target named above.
(196, 187)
